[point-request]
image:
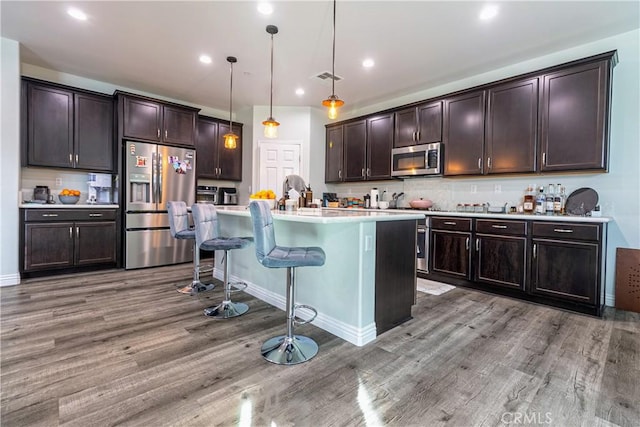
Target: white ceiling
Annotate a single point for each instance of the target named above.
(154, 46)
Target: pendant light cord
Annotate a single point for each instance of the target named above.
(333, 63)
(271, 95)
(231, 99)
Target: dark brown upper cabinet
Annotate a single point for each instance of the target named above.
(213, 160)
(334, 153)
(418, 125)
(379, 146)
(575, 118)
(511, 127)
(355, 150)
(154, 121)
(463, 133)
(66, 128)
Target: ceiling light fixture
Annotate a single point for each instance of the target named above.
(230, 139)
(299, 91)
(488, 12)
(368, 63)
(332, 102)
(205, 59)
(270, 125)
(265, 8)
(77, 13)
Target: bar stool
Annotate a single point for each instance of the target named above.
(208, 238)
(179, 228)
(286, 349)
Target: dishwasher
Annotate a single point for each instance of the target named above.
(422, 246)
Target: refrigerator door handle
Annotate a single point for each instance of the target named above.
(154, 178)
(161, 204)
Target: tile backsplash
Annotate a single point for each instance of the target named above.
(55, 179)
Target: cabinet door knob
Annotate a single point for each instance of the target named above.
(49, 215)
(70, 232)
(480, 163)
(449, 223)
(158, 132)
(340, 173)
(70, 158)
(368, 172)
(166, 134)
(478, 245)
(466, 243)
(489, 162)
(77, 159)
(95, 214)
(498, 226)
(562, 230)
(535, 250)
(544, 159)
(418, 136)
(363, 172)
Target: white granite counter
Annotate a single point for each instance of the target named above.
(328, 216)
(61, 206)
(562, 218)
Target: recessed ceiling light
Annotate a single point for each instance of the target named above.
(368, 63)
(299, 91)
(77, 13)
(488, 12)
(265, 8)
(205, 59)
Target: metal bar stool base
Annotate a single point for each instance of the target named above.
(226, 310)
(197, 288)
(283, 350)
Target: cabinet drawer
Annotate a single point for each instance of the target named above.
(510, 228)
(564, 230)
(452, 223)
(31, 215)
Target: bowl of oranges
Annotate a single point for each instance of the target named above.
(266, 196)
(69, 197)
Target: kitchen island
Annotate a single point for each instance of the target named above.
(368, 282)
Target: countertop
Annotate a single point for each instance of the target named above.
(562, 218)
(61, 206)
(328, 216)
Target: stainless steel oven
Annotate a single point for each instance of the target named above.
(422, 246)
(417, 160)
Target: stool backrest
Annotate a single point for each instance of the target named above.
(178, 217)
(265, 238)
(205, 219)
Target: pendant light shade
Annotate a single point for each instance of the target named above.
(270, 125)
(231, 139)
(333, 102)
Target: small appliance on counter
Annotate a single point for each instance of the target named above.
(41, 194)
(330, 200)
(375, 198)
(207, 194)
(100, 189)
(227, 196)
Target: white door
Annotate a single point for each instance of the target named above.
(277, 160)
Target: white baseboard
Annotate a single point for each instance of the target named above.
(10, 279)
(354, 335)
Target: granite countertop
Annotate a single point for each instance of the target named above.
(562, 218)
(61, 206)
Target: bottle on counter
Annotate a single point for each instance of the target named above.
(549, 198)
(367, 201)
(308, 196)
(529, 202)
(557, 201)
(540, 201)
(563, 201)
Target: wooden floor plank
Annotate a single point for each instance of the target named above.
(124, 348)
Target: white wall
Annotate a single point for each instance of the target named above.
(10, 171)
(619, 190)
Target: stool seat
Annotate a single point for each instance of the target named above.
(185, 235)
(226, 243)
(284, 256)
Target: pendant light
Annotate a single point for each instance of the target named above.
(333, 102)
(270, 125)
(231, 139)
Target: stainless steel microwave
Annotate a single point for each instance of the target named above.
(417, 160)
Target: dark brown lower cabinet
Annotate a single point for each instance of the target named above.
(501, 260)
(395, 273)
(59, 239)
(556, 263)
(566, 270)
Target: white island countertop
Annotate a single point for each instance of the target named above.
(328, 216)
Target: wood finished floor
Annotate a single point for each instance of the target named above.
(124, 348)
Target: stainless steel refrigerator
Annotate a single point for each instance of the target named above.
(156, 174)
